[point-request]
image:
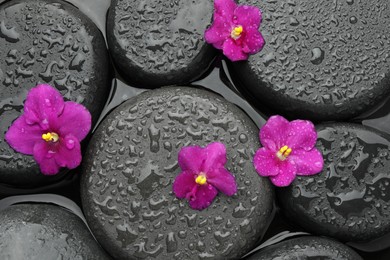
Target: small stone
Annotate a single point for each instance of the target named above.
(39, 44)
(307, 247)
(160, 43)
(135, 155)
(43, 231)
(350, 199)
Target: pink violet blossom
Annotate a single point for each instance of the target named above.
(203, 174)
(288, 150)
(235, 30)
(50, 129)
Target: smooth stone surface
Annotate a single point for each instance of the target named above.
(131, 163)
(52, 42)
(307, 248)
(323, 60)
(43, 231)
(350, 198)
(159, 43)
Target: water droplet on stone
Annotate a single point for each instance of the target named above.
(317, 56)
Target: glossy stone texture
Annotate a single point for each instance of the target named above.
(350, 198)
(46, 42)
(43, 231)
(130, 166)
(323, 60)
(157, 43)
(307, 248)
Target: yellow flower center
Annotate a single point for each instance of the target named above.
(236, 32)
(201, 179)
(50, 137)
(284, 152)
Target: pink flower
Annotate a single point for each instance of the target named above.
(235, 30)
(288, 150)
(202, 174)
(50, 130)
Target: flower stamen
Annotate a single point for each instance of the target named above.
(50, 137)
(236, 32)
(284, 152)
(201, 179)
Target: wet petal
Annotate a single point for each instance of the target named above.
(225, 8)
(69, 152)
(218, 32)
(75, 120)
(286, 176)
(276, 129)
(223, 180)
(191, 159)
(266, 163)
(22, 136)
(203, 197)
(248, 17)
(44, 156)
(233, 51)
(215, 156)
(253, 42)
(183, 184)
(307, 162)
(42, 104)
(301, 135)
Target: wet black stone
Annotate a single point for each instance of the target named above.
(157, 43)
(131, 163)
(43, 231)
(46, 42)
(323, 60)
(306, 248)
(350, 198)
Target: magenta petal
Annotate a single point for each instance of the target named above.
(22, 136)
(253, 42)
(217, 33)
(301, 135)
(191, 159)
(44, 156)
(275, 129)
(203, 197)
(266, 163)
(233, 51)
(75, 120)
(223, 180)
(68, 152)
(43, 102)
(287, 173)
(215, 156)
(248, 17)
(307, 162)
(225, 8)
(183, 184)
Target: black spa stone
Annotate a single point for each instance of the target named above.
(323, 60)
(51, 42)
(350, 198)
(157, 43)
(307, 248)
(43, 231)
(130, 166)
